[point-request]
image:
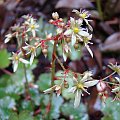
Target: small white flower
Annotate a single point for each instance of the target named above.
(81, 85)
(8, 37)
(57, 88)
(117, 88)
(15, 60)
(66, 50)
(31, 50)
(86, 41)
(83, 14)
(115, 67)
(32, 26)
(55, 15)
(59, 30)
(75, 30)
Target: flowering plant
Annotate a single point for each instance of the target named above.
(69, 35)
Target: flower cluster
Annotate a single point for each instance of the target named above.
(69, 34)
(79, 85)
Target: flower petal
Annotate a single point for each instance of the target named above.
(64, 56)
(77, 98)
(87, 75)
(117, 89)
(89, 50)
(15, 66)
(91, 83)
(33, 33)
(83, 33)
(31, 59)
(72, 89)
(49, 89)
(23, 61)
(7, 40)
(73, 40)
(68, 32)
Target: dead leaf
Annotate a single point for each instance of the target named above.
(106, 28)
(74, 4)
(112, 43)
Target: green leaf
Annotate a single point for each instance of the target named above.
(25, 115)
(111, 112)
(4, 61)
(56, 104)
(35, 96)
(44, 81)
(6, 106)
(79, 113)
(13, 116)
(27, 105)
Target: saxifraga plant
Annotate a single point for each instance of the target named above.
(69, 35)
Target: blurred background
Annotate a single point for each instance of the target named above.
(105, 15)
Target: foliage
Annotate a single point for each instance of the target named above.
(4, 61)
(111, 110)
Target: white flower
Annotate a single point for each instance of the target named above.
(32, 26)
(57, 88)
(86, 41)
(55, 15)
(75, 30)
(15, 60)
(117, 88)
(81, 85)
(31, 50)
(66, 50)
(8, 37)
(115, 67)
(83, 14)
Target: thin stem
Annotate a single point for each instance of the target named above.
(98, 2)
(52, 72)
(60, 62)
(26, 80)
(111, 83)
(108, 76)
(53, 64)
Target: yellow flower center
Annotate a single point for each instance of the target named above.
(32, 49)
(83, 15)
(80, 86)
(85, 39)
(16, 58)
(32, 26)
(76, 30)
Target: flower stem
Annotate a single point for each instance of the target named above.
(60, 63)
(26, 80)
(98, 2)
(52, 73)
(108, 76)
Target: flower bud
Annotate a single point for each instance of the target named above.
(76, 46)
(55, 15)
(101, 86)
(66, 85)
(45, 51)
(68, 40)
(50, 21)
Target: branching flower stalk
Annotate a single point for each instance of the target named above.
(69, 35)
